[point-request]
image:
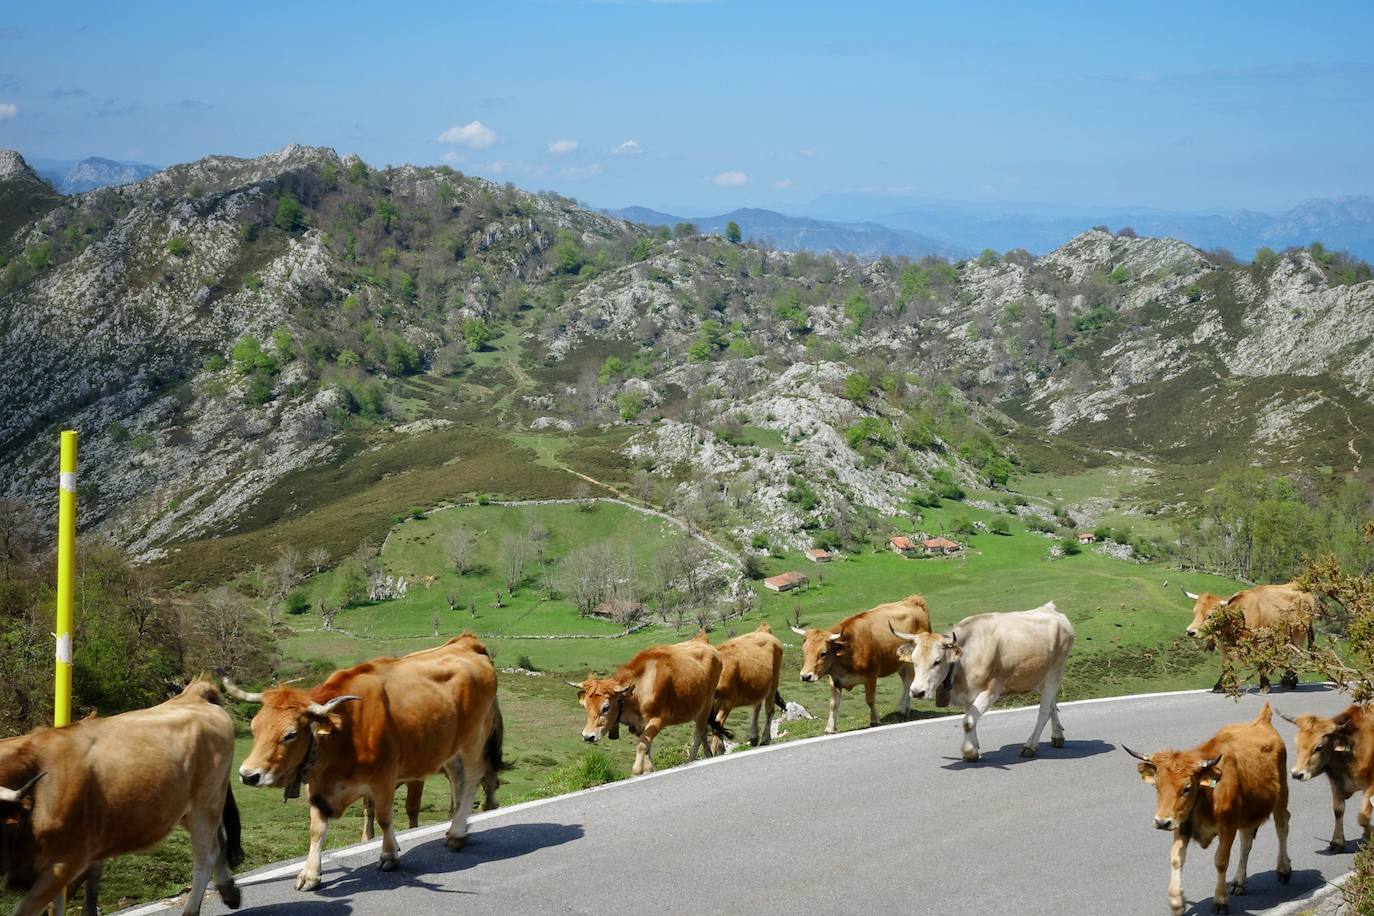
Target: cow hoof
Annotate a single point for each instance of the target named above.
(1285, 875)
(1027, 751)
(455, 843)
(1333, 846)
(230, 894)
(828, 731)
(1057, 741)
(1176, 908)
(970, 756)
(1289, 684)
(1220, 907)
(387, 863)
(1238, 889)
(306, 881)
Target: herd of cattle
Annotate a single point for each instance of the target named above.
(69, 798)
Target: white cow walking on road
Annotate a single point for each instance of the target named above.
(987, 655)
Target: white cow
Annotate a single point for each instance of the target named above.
(987, 655)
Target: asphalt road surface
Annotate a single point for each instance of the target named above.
(876, 820)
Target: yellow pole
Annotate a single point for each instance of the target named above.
(66, 579)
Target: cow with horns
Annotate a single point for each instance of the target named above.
(1342, 747)
(861, 649)
(368, 728)
(658, 687)
(987, 655)
(1282, 608)
(1228, 785)
(72, 797)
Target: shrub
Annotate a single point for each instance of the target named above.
(477, 334)
(177, 246)
(296, 602)
(1069, 547)
(857, 387)
(759, 541)
(524, 662)
(289, 216)
(999, 525)
(588, 771)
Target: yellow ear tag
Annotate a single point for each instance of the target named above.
(1208, 782)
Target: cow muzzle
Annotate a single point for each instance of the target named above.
(917, 693)
(808, 677)
(1301, 775)
(1164, 823)
(255, 777)
(590, 739)
(1192, 631)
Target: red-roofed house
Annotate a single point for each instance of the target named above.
(819, 555)
(902, 544)
(785, 582)
(940, 546)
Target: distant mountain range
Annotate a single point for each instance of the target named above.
(803, 233)
(1341, 223)
(72, 176)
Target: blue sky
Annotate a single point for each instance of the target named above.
(699, 107)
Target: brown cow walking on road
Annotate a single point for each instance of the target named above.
(661, 686)
(1342, 747)
(1264, 606)
(1229, 784)
(862, 648)
(72, 797)
(368, 728)
(751, 669)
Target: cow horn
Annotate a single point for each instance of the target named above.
(798, 630)
(904, 637)
(14, 795)
(835, 637)
(1208, 764)
(235, 691)
(574, 686)
(1138, 756)
(324, 709)
(1187, 594)
(1286, 718)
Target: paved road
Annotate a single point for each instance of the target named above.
(881, 819)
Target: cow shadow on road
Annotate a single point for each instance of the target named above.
(1263, 892)
(1009, 755)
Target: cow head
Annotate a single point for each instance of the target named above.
(285, 732)
(933, 656)
(17, 850)
(1204, 606)
(820, 650)
(604, 700)
(1319, 741)
(1179, 778)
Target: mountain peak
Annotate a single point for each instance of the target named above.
(13, 165)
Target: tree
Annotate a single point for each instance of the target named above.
(732, 233)
(459, 546)
(226, 633)
(857, 387)
(318, 558)
(289, 216)
(513, 549)
(477, 334)
(583, 494)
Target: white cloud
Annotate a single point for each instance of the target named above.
(8, 110)
(808, 153)
(562, 147)
(452, 157)
(585, 171)
(783, 184)
(474, 135)
(731, 179)
(628, 148)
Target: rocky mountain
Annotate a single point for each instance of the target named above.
(223, 324)
(72, 176)
(800, 233)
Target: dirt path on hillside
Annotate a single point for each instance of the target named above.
(1350, 443)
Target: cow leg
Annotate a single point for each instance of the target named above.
(384, 797)
(465, 782)
(1049, 692)
(767, 707)
(908, 674)
(1365, 807)
(1247, 840)
(1177, 853)
(1338, 809)
(699, 741)
(1225, 839)
(972, 714)
(309, 877)
(224, 878)
(871, 697)
(1264, 682)
(45, 893)
(715, 743)
(644, 747)
(1289, 681)
(754, 723)
(835, 689)
(415, 790)
(369, 815)
(204, 851)
(1284, 867)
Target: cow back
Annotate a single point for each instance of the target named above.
(750, 668)
(1014, 650)
(1253, 772)
(871, 646)
(674, 683)
(415, 712)
(1273, 605)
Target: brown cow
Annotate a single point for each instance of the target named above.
(661, 686)
(368, 728)
(1343, 748)
(751, 666)
(1230, 784)
(72, 797)
(1267, 606)
(862, 648)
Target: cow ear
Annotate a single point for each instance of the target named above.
(1147, 772)
(1209, 772)
(624, 689)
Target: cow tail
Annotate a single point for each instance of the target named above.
(720, 731)
(231, 831)
(496, 762)
(779, 702)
